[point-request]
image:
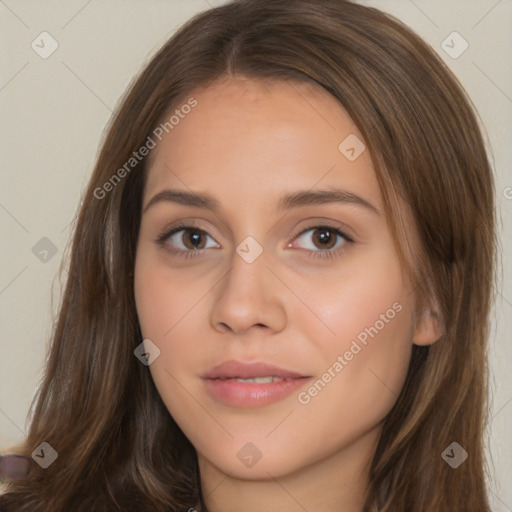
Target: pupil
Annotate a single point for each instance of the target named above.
(193, 238)
(323, 237)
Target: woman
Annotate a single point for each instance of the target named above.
(251, 371)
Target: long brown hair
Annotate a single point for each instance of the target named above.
(118, 447)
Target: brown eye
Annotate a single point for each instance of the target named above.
(185, 239)
(326, 243)
(324, 238)
(193, 239)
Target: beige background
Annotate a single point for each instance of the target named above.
(53, 114)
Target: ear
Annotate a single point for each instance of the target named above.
(429, 327)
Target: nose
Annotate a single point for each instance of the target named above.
(250, 296)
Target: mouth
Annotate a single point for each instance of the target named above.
(253, 384)
(257, 380)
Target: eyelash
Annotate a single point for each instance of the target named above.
(330, 253)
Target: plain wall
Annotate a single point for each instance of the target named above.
(53, 114)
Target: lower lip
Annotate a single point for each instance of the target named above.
(251, 394)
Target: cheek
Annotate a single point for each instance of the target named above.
(364, 349)
(161, 298)
(354, 392)
(369, 305)
(165, 308)
(169, 310)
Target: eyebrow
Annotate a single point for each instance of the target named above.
(286, 202)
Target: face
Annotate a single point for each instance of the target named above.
(288, 270)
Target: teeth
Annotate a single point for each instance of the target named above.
(261, 380)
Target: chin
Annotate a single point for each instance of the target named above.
(275, 466)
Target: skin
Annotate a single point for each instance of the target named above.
(246, 143)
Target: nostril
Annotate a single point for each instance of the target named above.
(14, 467)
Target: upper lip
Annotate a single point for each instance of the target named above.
(248, 370)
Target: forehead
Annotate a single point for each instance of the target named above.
(282, 104)
(257, 138)
(256, 92)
